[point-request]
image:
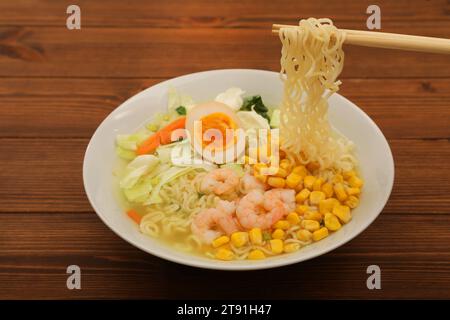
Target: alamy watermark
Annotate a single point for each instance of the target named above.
(74, 280)
(74, 20)
(374, 20)
(374, 280)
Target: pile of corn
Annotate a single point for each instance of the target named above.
(322, 206)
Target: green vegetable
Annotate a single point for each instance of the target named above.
(266, 236)
(275, 120)
(255, 103)
(181, 110)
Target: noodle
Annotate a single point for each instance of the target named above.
(181, 202)
(311, 60)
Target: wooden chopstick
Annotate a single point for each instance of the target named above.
(388, 40)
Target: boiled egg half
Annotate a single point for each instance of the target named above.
(213, 129)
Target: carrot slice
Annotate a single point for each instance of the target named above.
(149, 145)
(176, 124)
(136, 217)
(163, 136)
(166, 132)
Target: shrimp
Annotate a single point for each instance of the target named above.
(214, 222)
(260, 209)
(285, 196)
(249, 183)
(221, 181)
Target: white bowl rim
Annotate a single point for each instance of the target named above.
(268, 263)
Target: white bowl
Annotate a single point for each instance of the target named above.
(375, 157)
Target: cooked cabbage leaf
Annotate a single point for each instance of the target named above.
(131, 141)
(275, 119)
(140, 191)
(172, 174)
(125, 154)
(164, 178)
(252, 120)
(176, 100)
(138, 168)
(232, 97)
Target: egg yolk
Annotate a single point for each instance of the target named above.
(217, 121)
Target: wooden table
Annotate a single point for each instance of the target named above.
(57, 85)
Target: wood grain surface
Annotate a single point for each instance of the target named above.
(56, 86)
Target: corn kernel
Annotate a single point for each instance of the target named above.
(261, 177)
(293, 218)
(256, 255)
(332, 222)
(355, 182)
(285, 164)
(320, 234)
(282, 224)
(152, 127)
(310, 225)
(353, 191)
(291, 247)
(352, 202)
(338, 178)
(255, 236)
(302, 195)
(304, 235)
(299, 187)
(224, 254)
(327, 205)
(340, 192)
(220, 241)
(293, 180)
(278, 234)
(313, 216)
(316, 196)
(266, 235)
(239, 239)
(343, 213)
(327, 188)
(348, 174)
(317, 185)
(313, 166)
(276, 245)
(226, 246)
(258, 166)
(276, 182)
(309, 182)
(281, 173)
(301, 209)
(300, 170)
